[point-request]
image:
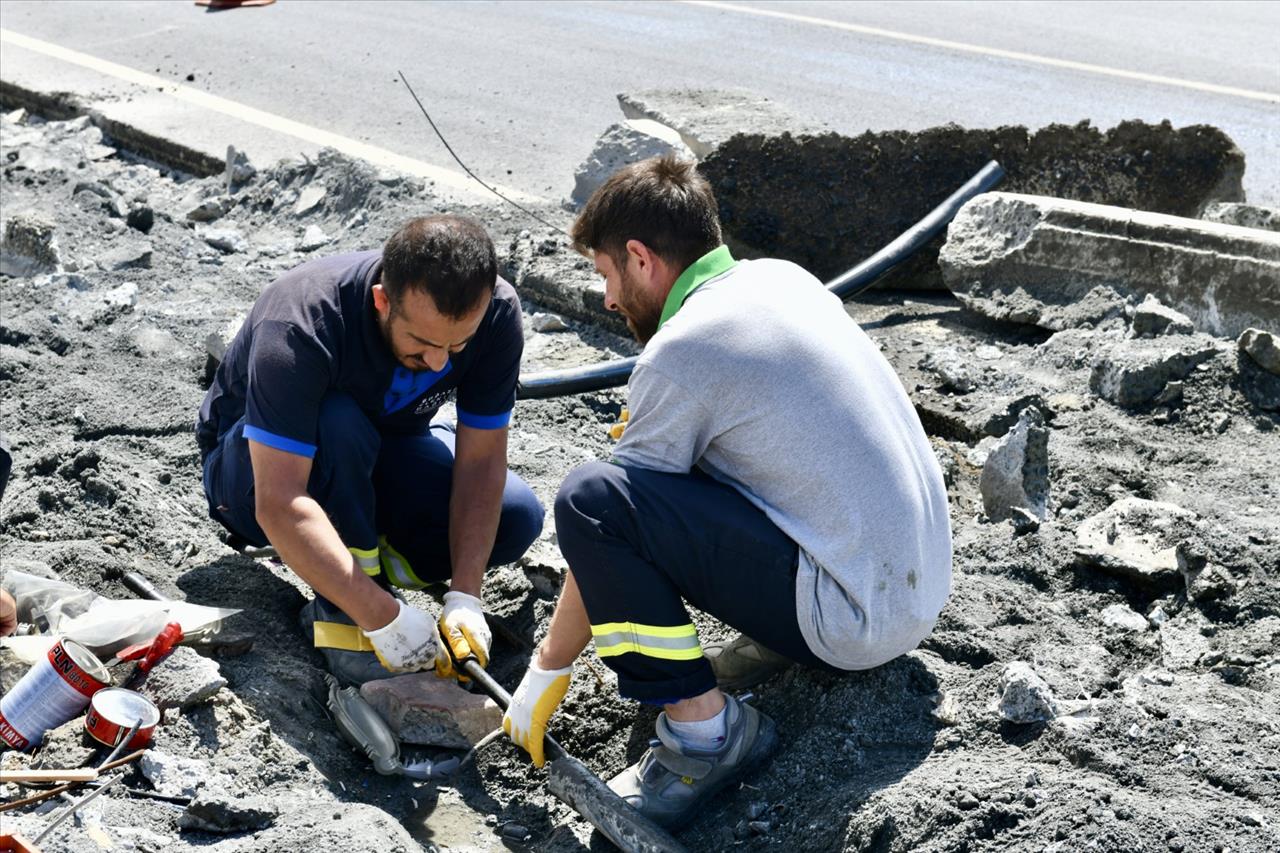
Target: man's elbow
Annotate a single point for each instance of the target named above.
(271, 511)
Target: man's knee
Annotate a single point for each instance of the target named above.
(585, 499)
(521, 521)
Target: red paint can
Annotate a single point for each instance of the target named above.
(112, 712)
(56, 689)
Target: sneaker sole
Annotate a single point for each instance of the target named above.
(761, 750)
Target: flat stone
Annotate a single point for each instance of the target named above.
(827, 201)
(952, 369)
(541, 321)
(1244, 215)
(1153, 318)
(209, 209)
(183, 679)
(1015, 474)
(1136, 539)
(424, 709)
(1134, 372)
(225, 240)
(1121, 617)
(128, 256)
(1025, 697)
(308, 199)
(173, 776)
(29, 246)
(705, 118)
(1262, 348)
(619, 146)
(313, 238)
(1031, 259)
(219, 812)
(216, 343)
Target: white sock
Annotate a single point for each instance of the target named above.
(702, 735)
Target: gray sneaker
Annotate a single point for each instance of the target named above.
(743, 663)
(670, 782)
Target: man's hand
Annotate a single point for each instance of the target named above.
(463, 634)
(8, 614)
(532, 705)
(407, 643)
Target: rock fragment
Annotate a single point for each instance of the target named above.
(183, 679)
(29, 246)
(1025, 697)
(1134, 372)
(1262, 348)
(239, 169)
(546, 322)
(1016, 472)
(216, 343)
(423, 709)
(1136, 539)
(313, 238)
(126, 257)
(218, 812)
(1244, 215)
(171, 775)
(1122, 618)
(225, 240)
(308, 199)
(141, 218)
(69, 745)
(620, 145)
(951, 368)
(1153, 318)
(1031, 259)
(209, 209)
(706, 118)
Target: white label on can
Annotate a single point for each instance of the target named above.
(43, 699)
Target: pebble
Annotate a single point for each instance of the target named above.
(225, 240)
(1220, 422)
(756, 810)
(544, 322)
(313, 238)
(1025, 696)
(760, 827)
(516, 832)
(966, 801)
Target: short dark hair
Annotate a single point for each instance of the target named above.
(450, 258)
(663, 202)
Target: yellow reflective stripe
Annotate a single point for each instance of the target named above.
(367, 560)
(397, 567)
(668, 642)
(335, 635)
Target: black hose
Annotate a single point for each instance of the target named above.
(611, 374)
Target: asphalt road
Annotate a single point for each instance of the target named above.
(522, 89)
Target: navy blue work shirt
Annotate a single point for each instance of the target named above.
(315, 331)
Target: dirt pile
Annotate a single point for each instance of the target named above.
(1158, 701)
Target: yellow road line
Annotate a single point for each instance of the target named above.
(317, 136)
(1142, 77)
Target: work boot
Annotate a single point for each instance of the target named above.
(671, 781)
(347, 653)
(743, 663)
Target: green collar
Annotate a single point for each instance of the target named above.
(705, 268)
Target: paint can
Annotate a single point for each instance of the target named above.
(113, 711)
(56, 689)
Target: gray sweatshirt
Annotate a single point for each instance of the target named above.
(763, 381)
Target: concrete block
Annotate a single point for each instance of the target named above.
(619, 146)
(172, 775)
(219, 812)
(1244, 215)
(1153, 318)
(29, 247)
(828, 201)
(705, 118)
(1136, 539)
(1015, 474)
(421, 708)
(1262, 348)
(183, 679)
(1031, 259)
(1134, 372)
(1025, 697)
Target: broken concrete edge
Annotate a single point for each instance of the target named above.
(61, 106)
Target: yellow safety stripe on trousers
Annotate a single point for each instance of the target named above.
(668, 642)
(335, 635)
(397, 567)
(367, 560)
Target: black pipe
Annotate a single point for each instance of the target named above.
(611, 374)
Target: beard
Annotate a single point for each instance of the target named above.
(641, 311)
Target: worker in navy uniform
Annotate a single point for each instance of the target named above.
(319, 436)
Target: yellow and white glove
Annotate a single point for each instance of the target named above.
(616, 431)
(535, 700)
(407, 643)
(463, 634)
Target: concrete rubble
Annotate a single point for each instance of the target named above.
(1244, 215)
(706, 118)
(29, 246)
(1040, 260)
(183, 679)
(1025, 697)
(1015, 475)
(620, 145)
(1152, 318)
(1135, 372)
(424, 709)
(172, 775)
(219, 813)
(1121, 617)
(1136, 539)
(1262, 348)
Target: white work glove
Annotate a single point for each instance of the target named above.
(535, 700)
(407, 643)
(464, 634)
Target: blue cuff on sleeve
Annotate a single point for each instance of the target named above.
(279, 442)
(484, 421)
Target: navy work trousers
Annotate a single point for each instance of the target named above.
(386, 494)
(640, 543)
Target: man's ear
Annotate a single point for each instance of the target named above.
(645, 260)
(381, 302)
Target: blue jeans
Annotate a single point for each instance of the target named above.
(386, 494)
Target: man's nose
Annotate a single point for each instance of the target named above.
(435, 360)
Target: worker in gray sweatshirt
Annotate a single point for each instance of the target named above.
(772, 473)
